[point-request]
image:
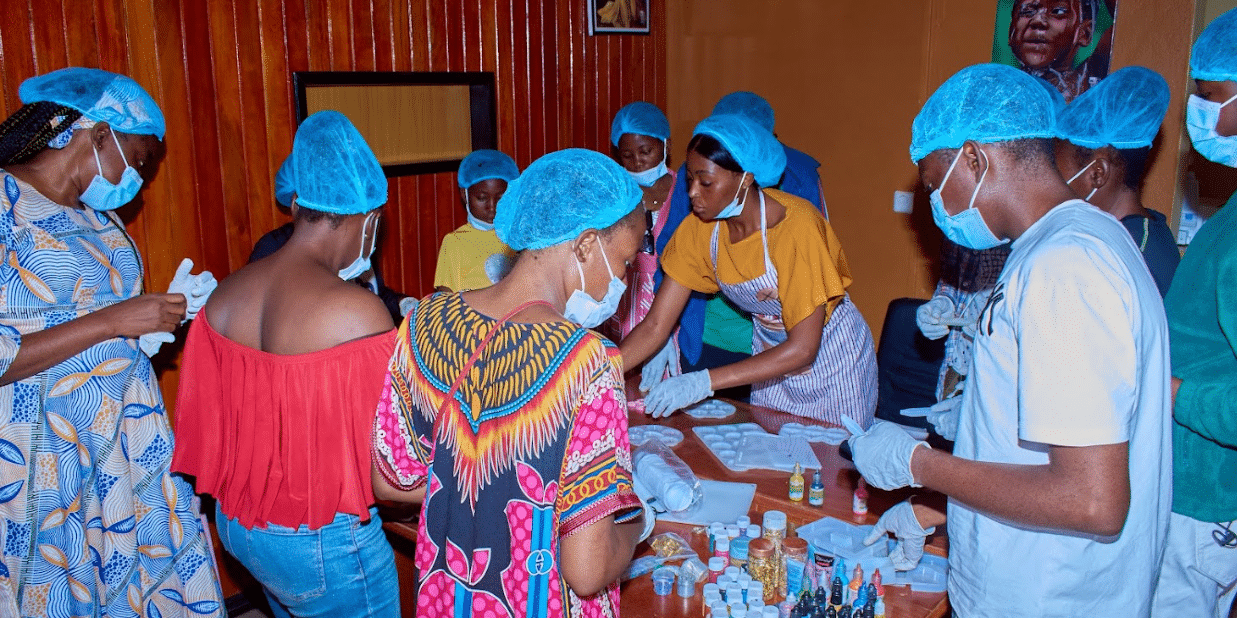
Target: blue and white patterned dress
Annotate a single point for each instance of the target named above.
(91, 522)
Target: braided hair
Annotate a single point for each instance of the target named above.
(27, 132)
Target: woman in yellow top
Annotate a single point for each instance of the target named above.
(472, 257)
(773, 255)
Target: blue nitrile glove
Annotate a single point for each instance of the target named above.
(883, 453)
(901, 521)
(656, 368)
(678, 392)
(944, 417)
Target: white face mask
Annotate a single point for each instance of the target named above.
(1079, 175)
(649, 177)
(735, 207)
(1201, 118)
(362, 263)
(587, 311)
(473, 220)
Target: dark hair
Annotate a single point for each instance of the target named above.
(1132, 163)
(310, 215)
(626, 220)
(1027, 151)
(711, 149)
(27, 131)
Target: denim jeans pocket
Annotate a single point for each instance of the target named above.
(288, 563)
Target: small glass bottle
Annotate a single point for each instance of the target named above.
(859, 505)
(796, 484)
(816, 495)
(761, 566)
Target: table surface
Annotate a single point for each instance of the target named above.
(840, 479)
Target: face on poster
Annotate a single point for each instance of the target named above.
(1068, 43)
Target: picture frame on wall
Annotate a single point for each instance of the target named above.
(618, 16)
(1067, 43)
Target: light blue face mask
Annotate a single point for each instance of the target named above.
(472, 219)
(735, 207)
(102, 194)
(1201, 119)
(587, 311)
(966, 228)
(362, 263)
(649, 177)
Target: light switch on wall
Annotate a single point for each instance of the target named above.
(903, 202)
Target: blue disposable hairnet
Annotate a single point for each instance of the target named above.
(747, 104)
(1214, 57)
(483, 165)
(752, 146)
(284, 189)
(333, 169)
(100, 96)
(640, 118)
(1124, 110)
(1058, 99)
(985, 103)
(562, 194)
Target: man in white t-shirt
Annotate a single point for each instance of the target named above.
(1060, 481)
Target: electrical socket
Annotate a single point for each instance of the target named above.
(903, 202)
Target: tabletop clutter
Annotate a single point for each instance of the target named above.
(822, 569)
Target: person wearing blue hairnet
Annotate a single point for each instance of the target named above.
(640, 135)
(713, 332)
(1199, 574)
(1103, 148)
(280, 377)
(774, 256)
(1061, 463)
(505, 414)
(472, 256)
(93, 522)
(285, 192)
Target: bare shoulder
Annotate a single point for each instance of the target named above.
(344, 311)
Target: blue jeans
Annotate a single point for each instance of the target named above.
(345, 568)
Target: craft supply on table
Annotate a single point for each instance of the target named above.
(721, 501)
(796, 484)
(843, 540)
(663, 580)
(710, 408)
(859, 502)
(816, 495)
(637, 435)
(663, 479)
(746, 446)
(814, 433)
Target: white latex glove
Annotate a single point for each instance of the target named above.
(151, 342)
(944, 417)
(931, 317)
(195, 288)
(678, 392)
(901, 521)
(883, 453)
(406, 305)
(656, 368)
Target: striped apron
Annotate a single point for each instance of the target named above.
(842, 379)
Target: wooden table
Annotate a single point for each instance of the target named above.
(838, 475)
(840, 479)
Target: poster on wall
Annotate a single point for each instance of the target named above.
(618, 16)
(1068, 43)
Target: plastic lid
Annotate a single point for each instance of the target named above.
(753, 531)
(732, 531)
(664, 573)
(794, 546)
(774, 520)
(744, 522)
(755, 588)
(760, 548)
(733, 571)
(722, 544)
(744, 580)
(717, 563)
(717, 525)
(738, 612)
(769, 612)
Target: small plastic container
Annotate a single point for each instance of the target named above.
(756, 590)
(732, 531)
(716, 529)
(738, 612)
(734, 593)
(717, 566)
(743, 522)
(733, 572)
(771, 611)
(663, 581)
(753, 531)
(774, 526)
(754, 606)
(694, 569)
(744, 580)
(719, 610)
(721, 548)
(738, 551)
(686, 587)
(724, 580)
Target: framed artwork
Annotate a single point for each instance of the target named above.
(416, 123)
(1068, 43)
(618, 16)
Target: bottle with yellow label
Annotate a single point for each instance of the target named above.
(796, 484)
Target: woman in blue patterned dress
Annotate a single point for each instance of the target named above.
(91, 522)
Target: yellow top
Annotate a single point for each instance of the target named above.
(471, 259)
(811, 267)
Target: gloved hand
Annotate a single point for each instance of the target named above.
(883, 455)
(931, 317)
(151, 342)
(195, 288)
(406, 305)
(901, 521)
(661, 364)
(944, 417)
(678, 392)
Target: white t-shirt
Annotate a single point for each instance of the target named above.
(1071, 350)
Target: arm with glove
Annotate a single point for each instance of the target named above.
(196, 289)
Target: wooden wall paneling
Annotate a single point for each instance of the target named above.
(17, 49)
(110, 33)
(47, 23)
(259, 179)
(364, 38)
(229, 104)
(79, 38)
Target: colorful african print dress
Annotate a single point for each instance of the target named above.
(531, 448)
(91, 523)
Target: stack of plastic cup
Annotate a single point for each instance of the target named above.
(663, 581)
(687, 582)
(756, 590)
(733, 572)
(734, 593)
(719, 610)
